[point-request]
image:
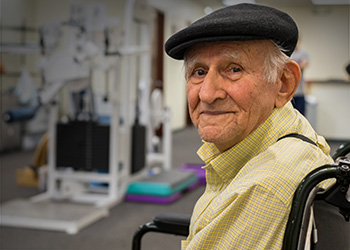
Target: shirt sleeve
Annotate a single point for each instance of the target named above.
(255, 219)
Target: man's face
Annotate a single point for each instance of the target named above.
(228, 95)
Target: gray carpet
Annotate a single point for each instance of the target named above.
(112, 232)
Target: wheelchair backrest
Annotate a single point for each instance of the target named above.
(320, 220)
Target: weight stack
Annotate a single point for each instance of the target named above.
(83, 146)
(138, 148)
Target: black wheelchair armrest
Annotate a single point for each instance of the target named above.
(173, 223)
(170, 223)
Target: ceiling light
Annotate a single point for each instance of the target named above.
(208, 10)
(233, 2)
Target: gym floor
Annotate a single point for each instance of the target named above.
(112, 232)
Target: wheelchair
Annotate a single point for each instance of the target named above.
(319, 219)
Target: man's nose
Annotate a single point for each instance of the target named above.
(212, 88)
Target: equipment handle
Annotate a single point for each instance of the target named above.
(20, 114)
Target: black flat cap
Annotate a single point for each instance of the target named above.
(241, 22)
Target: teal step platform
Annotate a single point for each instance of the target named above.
(162, 188)
(166, 183)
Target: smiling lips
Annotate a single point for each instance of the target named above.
(216, 112)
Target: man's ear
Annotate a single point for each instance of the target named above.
(288, 81)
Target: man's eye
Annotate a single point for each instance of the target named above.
(199, 72)
(235, 69)
(197, 75)
(234, 72)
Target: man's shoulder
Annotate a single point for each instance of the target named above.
(281, 167)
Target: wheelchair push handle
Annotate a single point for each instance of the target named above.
(342, 151)
(339, 196)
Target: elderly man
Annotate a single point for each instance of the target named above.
(257, 148)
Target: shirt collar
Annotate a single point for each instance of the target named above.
(230, 162)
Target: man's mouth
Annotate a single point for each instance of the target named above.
(213, 113)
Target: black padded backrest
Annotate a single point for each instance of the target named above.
(333, 230)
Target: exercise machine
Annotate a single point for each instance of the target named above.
(78, 196)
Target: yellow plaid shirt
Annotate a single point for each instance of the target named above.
(250, 187)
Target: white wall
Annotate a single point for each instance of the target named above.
(325, 36)
(178, 14)
(16, 13)
(47, 11)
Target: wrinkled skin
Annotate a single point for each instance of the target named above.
(228, 96)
